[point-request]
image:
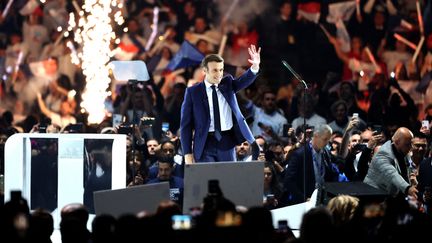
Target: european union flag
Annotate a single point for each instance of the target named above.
(187, 56)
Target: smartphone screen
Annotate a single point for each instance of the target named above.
(282, 224)
(117, 119)
(165, 126)
(425, 123)
(181, 222)
(377, 129)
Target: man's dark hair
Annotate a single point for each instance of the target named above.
(356, 131)
(266, 90)
(211, 58)
(166, 159)
(337, 134)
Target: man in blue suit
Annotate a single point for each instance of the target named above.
(305, 174)
(211, 122)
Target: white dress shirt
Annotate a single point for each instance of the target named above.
(224, 109)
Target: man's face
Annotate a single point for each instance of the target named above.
(286, 150)
(286, 9)
(243, 150)
(133, 26)
(260, 142)
(214, 72)
(50, 66)
(319, 141)
(278, 153)
(269, 102)
(354, 140)
(66, 108)
(340, 113)
(164, 171)
(345, 91)
(404, 145)
(366, 136)
(151, 147)
(200, 25)
(419, 146)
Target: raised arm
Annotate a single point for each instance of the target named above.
(342, 55)
(249, 76)
(42, 106)
(343, 152)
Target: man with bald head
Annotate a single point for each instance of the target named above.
(388, 170)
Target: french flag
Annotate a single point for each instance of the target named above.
(310, 11)
(125, 51)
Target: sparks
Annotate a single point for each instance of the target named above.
(94, 33)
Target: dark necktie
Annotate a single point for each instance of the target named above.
(216, 114)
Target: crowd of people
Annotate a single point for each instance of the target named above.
(363, 117)
(344, 217)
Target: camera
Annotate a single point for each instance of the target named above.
(43, 124)
(42, 128)
(270, 198)
(147, 121)
(74, 128)
(359, 147)
(125, 129)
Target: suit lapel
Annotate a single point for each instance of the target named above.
(223, 88)
(203, 96)
(396, 164)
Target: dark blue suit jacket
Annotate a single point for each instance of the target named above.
(195, 113)
(299, 177)
(176, 188)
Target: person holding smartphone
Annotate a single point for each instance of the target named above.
(272, 187)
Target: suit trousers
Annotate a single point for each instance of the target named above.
(219, 151)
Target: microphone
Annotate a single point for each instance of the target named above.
(294, 73)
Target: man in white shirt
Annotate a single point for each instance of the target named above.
(210, 114)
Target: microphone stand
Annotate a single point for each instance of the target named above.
(305, 88)
(133, 82)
